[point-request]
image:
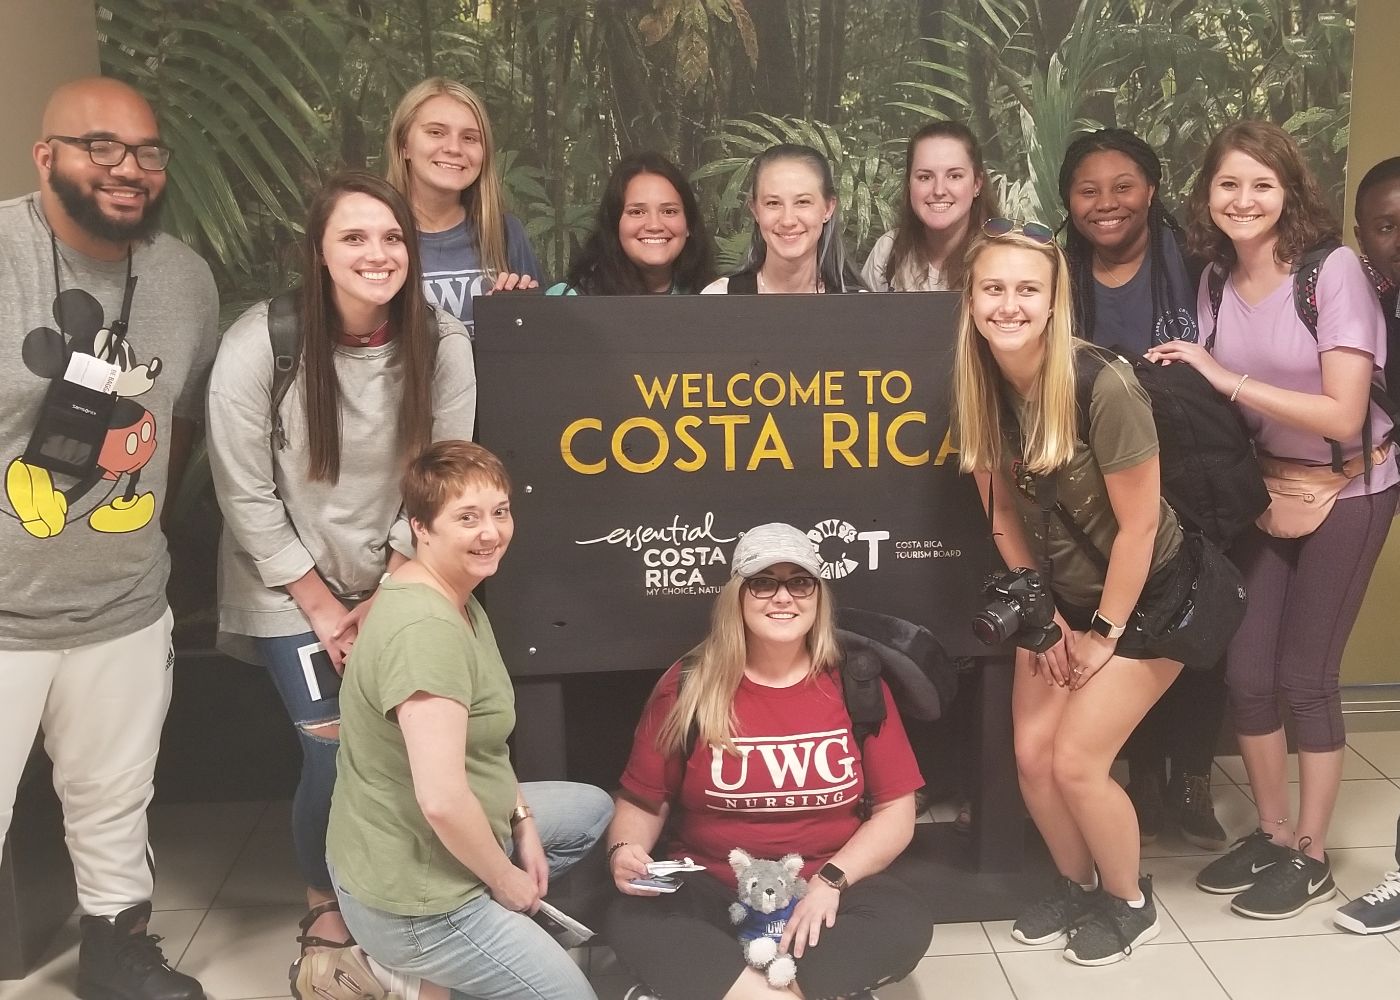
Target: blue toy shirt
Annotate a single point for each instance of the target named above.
(758, 924)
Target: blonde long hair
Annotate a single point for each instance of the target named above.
(1051, 427)
(484, 200)
(715, 668)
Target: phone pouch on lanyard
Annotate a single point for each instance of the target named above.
(1301, 496)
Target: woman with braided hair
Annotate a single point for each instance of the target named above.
(1132, 291)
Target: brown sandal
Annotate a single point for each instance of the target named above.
(308, 940)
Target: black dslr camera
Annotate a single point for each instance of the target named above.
(1019, 608)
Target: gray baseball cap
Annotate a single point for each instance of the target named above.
(770, 544)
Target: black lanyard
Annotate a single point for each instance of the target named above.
(118, 326)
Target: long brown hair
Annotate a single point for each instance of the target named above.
(414, 346)
(1305, 222)
(910, 249)
(484, 199)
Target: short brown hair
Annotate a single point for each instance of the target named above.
(443, 471)
(1306, 221)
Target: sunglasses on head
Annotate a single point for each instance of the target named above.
(1036, 232)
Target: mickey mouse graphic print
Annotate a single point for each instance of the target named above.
(84, 555)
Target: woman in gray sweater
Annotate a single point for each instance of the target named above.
(309, 483)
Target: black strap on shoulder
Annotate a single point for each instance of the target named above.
(743, 283)
(1305, 276)
(1215, 285)
(284, 333)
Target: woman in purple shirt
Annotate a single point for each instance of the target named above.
(1256, 210)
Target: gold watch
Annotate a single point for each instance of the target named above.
(519, 814)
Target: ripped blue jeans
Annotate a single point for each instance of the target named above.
(310, 702)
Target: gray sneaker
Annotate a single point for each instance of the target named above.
(1374, 912)
(1241, 868)
(1288, 888)
(1055, 915)
(1114, 929)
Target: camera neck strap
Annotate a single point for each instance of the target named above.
(118, 327)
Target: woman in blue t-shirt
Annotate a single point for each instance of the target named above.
(1131, 291)
(442, 158)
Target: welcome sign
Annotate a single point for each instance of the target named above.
(645, 434)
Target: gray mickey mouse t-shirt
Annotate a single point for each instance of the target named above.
(84, 558)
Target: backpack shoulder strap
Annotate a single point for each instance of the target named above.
(743, 283)
(1305, 284)
(1089, 360)
(1215, 286)
(284, 333)
(860, 686)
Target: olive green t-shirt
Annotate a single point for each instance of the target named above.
(1122, 435)
(383, 850)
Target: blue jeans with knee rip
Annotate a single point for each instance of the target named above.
(311, 697)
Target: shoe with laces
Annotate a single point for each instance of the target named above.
(1055, 915)
(119, 960)
(1374, 912)
(1241, 868)
(1114, 929)
(1191, 801)
(1288, 888)
(1145, 791)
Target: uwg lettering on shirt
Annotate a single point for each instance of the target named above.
(802, 771)
(451, 290)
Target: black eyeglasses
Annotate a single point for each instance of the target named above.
(110, 152)
(1036, 232)
(797, 586)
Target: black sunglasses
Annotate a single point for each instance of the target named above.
(767, 586)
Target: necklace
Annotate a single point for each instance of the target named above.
(1108, 272)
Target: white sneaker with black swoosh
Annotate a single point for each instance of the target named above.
(1288, 888)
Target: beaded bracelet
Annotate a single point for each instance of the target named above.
(613, 849)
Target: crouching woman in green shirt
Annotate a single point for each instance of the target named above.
(437, 861)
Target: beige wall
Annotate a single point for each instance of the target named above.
(43, 43)
(1373, 655)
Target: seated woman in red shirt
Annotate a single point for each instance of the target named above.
(747, 743)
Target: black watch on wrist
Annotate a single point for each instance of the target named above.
(832, 876)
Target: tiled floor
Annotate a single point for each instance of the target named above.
(229, 902)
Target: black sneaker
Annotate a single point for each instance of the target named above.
(1374, 912)
(1055, 915)
(1240, 869)
(1288, 888)
(118, 960)
(1114, 929)
(1191, 801)
(1146, 794)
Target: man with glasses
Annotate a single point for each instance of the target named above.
(107, 332)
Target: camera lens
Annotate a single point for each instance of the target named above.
(996, 623)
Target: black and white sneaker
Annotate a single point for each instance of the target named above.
(1052, 917)
(639, 992)
(1241, 868)
(1288, 888)
(1374, 912)
(1114, 929)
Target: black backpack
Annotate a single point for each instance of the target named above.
(1305, 276)
(1209, 473)
(921, 675)
(284, 332)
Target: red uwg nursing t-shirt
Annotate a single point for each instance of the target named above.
(793, 785)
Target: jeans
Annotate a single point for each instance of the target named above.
(481, 950)
(309, 703)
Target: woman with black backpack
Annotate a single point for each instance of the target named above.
(1132, 595)
(1296, 352)
(1132, 290)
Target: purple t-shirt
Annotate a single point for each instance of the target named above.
(1270, 342)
